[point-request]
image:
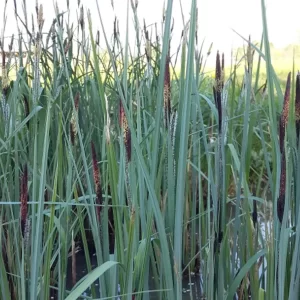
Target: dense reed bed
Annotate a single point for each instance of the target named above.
(158, 168)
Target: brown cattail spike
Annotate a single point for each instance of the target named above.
(68, 44)
(254, 213)
(218, 87)
(148, 44)
(285, 112)
(72, 134)
(115, 28)
(209, 49)
(281, 198)
(81, 18)
(76, 101)
(282, 127)
(98, 38)
(40, 18)
(249, 56)
(24, 200)
(73, 128)
(97, 181)
(126, 131)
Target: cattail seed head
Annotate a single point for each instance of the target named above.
(281, 198)
(209, 49)
(81, 18)
(249, 55)
(282, 127)
(218, 74)
(126, 131)
(280, 207)
(40, 18)
(218, 88)
(68, 44)
(97, 181)
(98, 38)
(73, 127)
(76, 101)
(148, 51)
(115, 28)
(285, 113)
(254, 213)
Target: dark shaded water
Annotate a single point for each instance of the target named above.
(190, 284)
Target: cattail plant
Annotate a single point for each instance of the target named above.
(97, 181)
(167, 114)
(218, 90)
(282, 128)
(127, 142)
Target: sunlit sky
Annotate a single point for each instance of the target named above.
(217, 18)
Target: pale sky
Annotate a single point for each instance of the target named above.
(217, 18)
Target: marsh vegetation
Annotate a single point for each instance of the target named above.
(159, 169)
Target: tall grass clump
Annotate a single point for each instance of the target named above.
(159, 174)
